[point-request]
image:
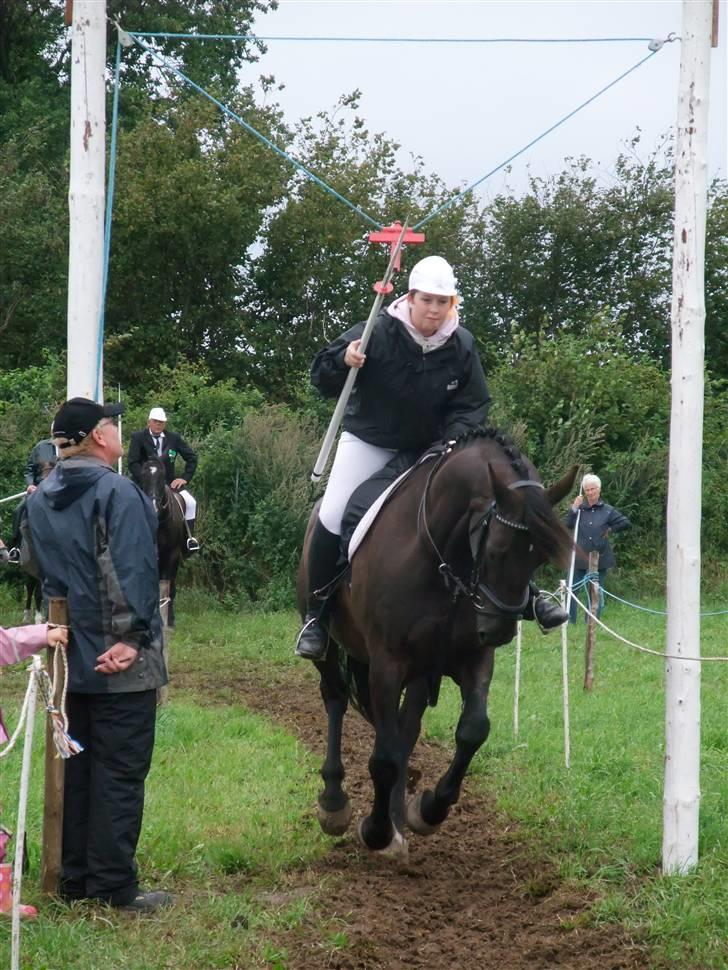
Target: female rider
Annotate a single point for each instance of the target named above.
(421, 381)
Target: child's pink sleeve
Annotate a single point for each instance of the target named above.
(19, 642)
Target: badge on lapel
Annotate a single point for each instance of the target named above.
(172, 453)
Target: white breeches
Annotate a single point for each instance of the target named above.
(190, 504)
(354, 462)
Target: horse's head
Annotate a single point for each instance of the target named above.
(154, 482)
(512, 530)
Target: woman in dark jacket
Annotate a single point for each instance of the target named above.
(597, 521)
(420, 381)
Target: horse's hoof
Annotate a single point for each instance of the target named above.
(27, 617)
(334, 823)
(397, 848)
(415, 821)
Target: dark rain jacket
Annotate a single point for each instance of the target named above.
(92, 534)
(141, 449)
(43, 455)
(595, 523)
(405, 398)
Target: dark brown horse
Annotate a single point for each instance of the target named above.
(33, 611)
(437, 584)
(172, 532)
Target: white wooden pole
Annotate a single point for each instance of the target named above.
(517, 683)
(565, 676)
(681, 801)
(86, 198)
(22, 812)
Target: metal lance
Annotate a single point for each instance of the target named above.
(336, 417)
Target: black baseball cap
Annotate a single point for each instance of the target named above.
(79, 416)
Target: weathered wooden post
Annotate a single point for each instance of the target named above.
(591, 627)
(50, 863)
(163, 692)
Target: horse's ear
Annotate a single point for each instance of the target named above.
(561, 489)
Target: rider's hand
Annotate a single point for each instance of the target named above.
(352, 357)
(178, 483)
(31, 488)
(116, 659)
(578, 501)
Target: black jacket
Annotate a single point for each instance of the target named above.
(43, 455)
(92, 534)
(404, 398)
(594, 524)
(141, 449)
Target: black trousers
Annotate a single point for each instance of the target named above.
(103, 798)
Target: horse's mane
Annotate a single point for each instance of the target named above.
(549, 536)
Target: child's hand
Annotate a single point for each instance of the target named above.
(57, 636)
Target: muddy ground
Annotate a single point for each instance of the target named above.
(474, 895)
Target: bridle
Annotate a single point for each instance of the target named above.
(476, 590)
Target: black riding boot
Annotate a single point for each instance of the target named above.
(323, 556)
(543, 610)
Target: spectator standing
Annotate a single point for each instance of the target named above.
(91, 533)
(597, 522)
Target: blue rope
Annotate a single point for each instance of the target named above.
(456, 198)
(107, 224)
(646, 609)
(401, 40)
(253, 131)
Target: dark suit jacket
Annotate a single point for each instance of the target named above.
(141, 449)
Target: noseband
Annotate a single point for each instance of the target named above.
(477, 591)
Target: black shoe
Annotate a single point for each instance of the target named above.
(148, 902)
(313, 640)
(548, 614)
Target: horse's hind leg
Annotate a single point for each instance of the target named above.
(473, 728)
(334, 808)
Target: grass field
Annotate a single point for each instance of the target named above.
(230, 796)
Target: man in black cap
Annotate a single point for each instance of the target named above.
(92, 534)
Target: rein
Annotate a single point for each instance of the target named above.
(477, 591)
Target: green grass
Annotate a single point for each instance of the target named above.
(229, 800)
(601, 819)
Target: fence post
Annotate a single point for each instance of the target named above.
(50, 864)
(591, 627)
(164, 586)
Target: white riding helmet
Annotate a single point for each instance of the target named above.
(433, 274)
(157, 414)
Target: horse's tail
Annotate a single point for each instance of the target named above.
(550, 537)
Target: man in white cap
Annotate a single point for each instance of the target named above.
(155, 441)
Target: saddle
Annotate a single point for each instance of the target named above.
(368, 499)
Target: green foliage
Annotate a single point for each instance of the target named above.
(582, 398)
(255, 496)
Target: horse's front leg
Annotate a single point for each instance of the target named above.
(334, 808)
(376, 831)
(473, 728)
(410, 721)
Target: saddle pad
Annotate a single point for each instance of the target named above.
(373, 511)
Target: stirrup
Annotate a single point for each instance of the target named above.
(319, 655)
(192, 544)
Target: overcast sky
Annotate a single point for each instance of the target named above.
(466, 107)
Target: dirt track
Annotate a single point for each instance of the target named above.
(472, 896)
